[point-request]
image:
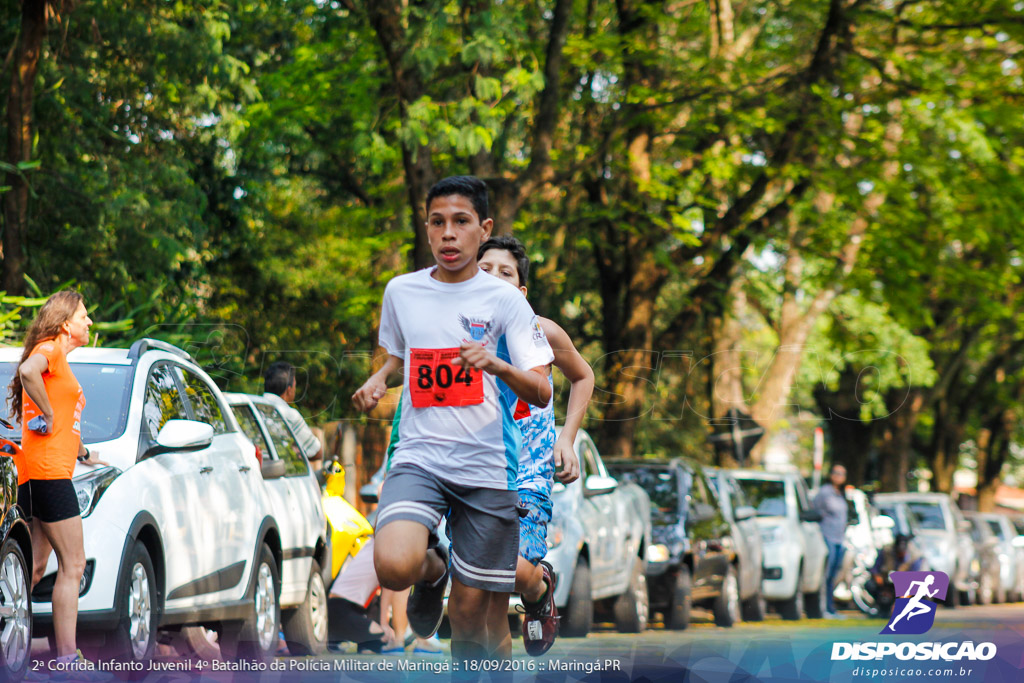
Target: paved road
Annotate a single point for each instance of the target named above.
(770, 651)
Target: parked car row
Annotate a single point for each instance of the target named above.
(189, 467)
(982, 553)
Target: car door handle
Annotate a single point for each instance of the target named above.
(244, 468)
(205, 470)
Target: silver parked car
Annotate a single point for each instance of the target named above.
(597, 540)
(749, 551)
(1011, 555)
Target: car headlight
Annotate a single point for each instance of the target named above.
(89, 487)
(771, 535)
(556, 534)
(657, 553)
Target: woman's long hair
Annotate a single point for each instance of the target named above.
(57, 310)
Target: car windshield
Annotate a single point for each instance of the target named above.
(996, 528)
(1018, 524)
(929, 515)
(767, 496)
(106, 389)
(660, 485)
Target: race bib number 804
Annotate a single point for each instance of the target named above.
(437, 383)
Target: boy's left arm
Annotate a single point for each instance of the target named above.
(530, 385)
(581, 376)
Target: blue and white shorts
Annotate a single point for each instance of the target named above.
(533, 528)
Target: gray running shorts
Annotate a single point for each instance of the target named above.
(483, 523)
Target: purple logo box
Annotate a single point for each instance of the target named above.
(914, 610)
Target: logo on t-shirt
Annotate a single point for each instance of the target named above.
(539, 339)
(476, 327)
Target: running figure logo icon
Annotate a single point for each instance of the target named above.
(914, 611)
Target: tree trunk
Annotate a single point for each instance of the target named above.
(993, 456)
(897, 436)
(850, 437)
(20, 101)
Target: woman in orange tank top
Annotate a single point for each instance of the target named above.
(47, 400)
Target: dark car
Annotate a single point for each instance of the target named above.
(692, 559)
(15, 571)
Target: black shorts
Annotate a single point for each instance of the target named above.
(482, 523)
(49, 500)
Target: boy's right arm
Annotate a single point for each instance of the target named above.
(368, 395)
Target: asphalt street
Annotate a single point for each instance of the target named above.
(770, 651)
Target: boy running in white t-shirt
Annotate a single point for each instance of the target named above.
(457, 450)
(542, 454)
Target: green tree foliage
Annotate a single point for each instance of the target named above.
(243, 177)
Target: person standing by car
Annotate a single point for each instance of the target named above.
(48, 401)
(831, 503)
(279, 388)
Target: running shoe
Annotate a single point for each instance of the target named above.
(426, 602)
(78, 669)
(540, 623)
(428, 646)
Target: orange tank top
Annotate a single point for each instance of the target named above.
(53, 455)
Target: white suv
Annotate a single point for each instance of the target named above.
(299, 511)
(180, 528)
(794, 549)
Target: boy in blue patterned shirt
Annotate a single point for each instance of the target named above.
(542, 453)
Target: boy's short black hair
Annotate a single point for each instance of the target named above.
(512, 246)
(278, 377)
(468, 186)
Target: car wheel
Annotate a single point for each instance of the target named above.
(15, 612)
(986, 591)
(134, 638)
(754, 607)
(792, 608)
(579, 612)
(952, 594)
(632, 608)
(199, 642)
(305, 628)
(814, 604)
(677, 614)
(727, 604)
(863, 599)
(255, 638)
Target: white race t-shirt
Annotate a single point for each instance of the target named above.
(454, 422)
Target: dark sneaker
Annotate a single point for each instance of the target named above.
(426, 602)
(540, 623)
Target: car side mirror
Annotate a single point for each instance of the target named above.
(182, 436)
(702, 512)
(885, 522)
(810, 516)
(272, 469)
(745, 512)
(597, 484)
(368, 493)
